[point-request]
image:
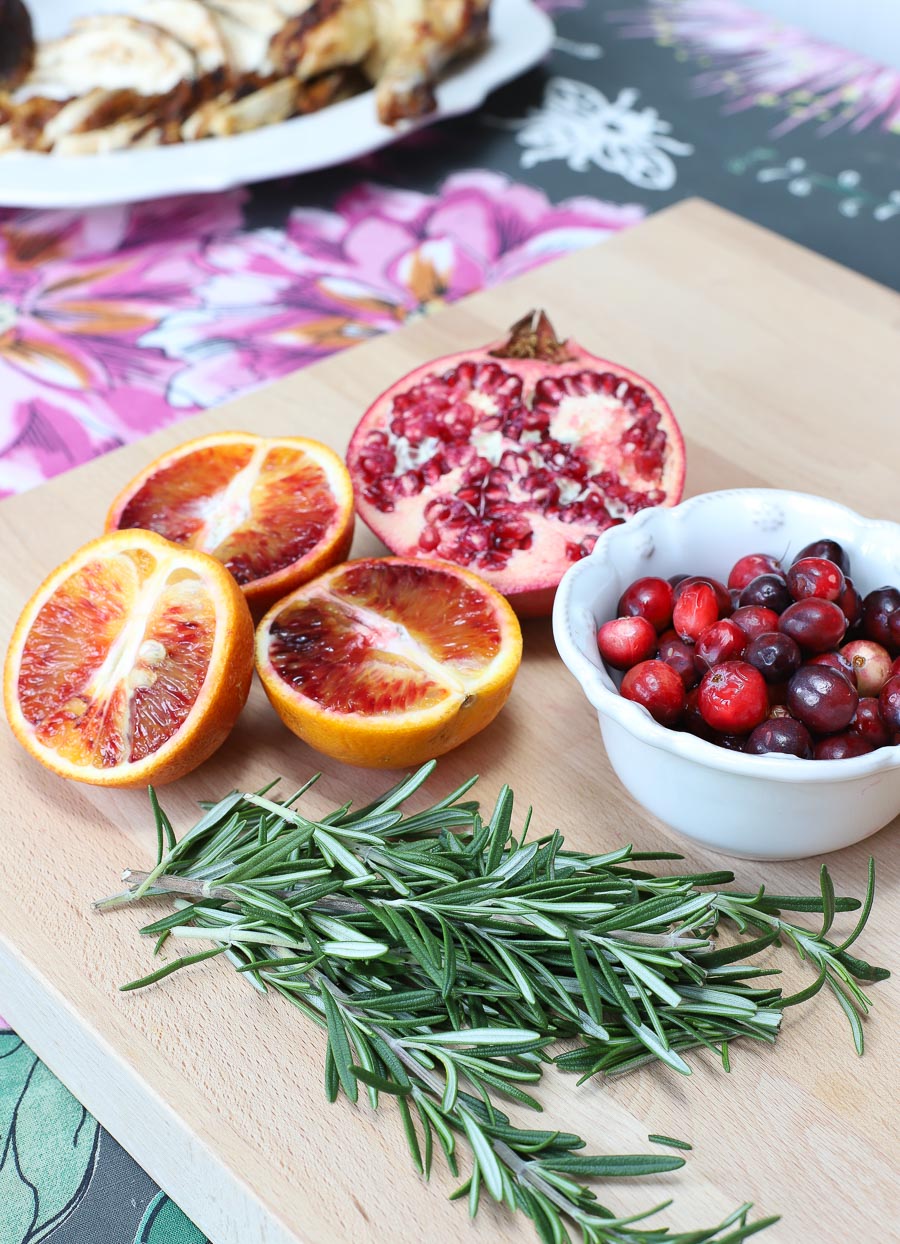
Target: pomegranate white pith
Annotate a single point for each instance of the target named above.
(512, 459)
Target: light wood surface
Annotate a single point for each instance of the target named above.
(783, 369)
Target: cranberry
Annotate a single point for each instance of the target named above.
(648, 598)
(696, 608)
(871, 663)
(829, 549)
(723, 641)
(768, 590)
(777, 694)
(755, 620)
(731, 742)
(775, 655)
(868, 723)
(816, 625)
(895, 668)
(735, 594)
(692, 721)
(836, 661)
(723, 596)
(851, 603)
(822, 699)
(747, 568)
(814, 576)
(784, 734)
(841, 747)
(733, 697)
(889, 703)
(675, 579)
(877, 609)
(661, 691)
(682, 658)
(626, 641)
(894, 629)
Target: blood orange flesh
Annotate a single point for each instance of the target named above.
(274, 512)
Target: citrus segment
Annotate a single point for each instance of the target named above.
(275, 512)
(130, 663)
(387, 662)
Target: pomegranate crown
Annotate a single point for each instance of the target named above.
(533, 337)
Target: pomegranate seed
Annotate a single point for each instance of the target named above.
(878, 607)
(822, 699)
(775, 655)
(626, 641)
(868, 723)
(889, 703)
(870, 662)
(781, 734)
(723, 641)
(429, 539)
(755, 620)
(681, 656)
(733, 697)
(747, 568)
(695, 609)
(815, 624)
(829, 549)
(768, 590)
(648, 598)
(661, 691)
(841, 747)
(814, 576)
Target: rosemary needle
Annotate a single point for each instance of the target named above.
(443, 954)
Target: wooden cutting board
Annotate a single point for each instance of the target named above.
(783, 370)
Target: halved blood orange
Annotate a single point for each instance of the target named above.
(131, 662)
(276, 511)
(390, 661)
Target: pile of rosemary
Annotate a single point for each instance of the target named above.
(443, 954)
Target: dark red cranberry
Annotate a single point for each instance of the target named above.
(889, 703)
(784, 734)
(695, 609)
(723, 641)
(894, 629)
(723, 596)
(648, 598)
(735, 594)
(878, 607)
(624, 642)
(768, 590)
(822, 699)
(692, 720)
(775, 655)
(731, 742)
(895, 668)
(871, 663)
(747, 568)
(814, 576)
(841, 747)
(868, 723)
(816, 625)
(682, 658)
(851, 603)
(755, 620)
(829, 549)
(661, 691)
(835, 661)
(675, 579)
(733, 697)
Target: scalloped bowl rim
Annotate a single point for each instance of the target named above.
(602, 693)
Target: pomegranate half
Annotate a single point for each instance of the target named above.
(510, 460)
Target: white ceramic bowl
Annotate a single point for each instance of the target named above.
(758, 807)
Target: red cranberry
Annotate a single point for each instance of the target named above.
(775, 655)
(733, 697)
(814, 576)
(692, 721)
(768, 590)
(661, 691)
(871, 664)
(877, 609)
(747, 568)
(682, 658)
(841, 747)
(822, 699)
(723, 641)
(895, 668)
(785, 735)
(696, 608)
(889, 703)
(868, 724)
(829, 549)
(723, 596)
(836, 661)
(816, 625)
(894, 629)
(648, 598)
(624, 642)
(851, 603)
(755, 620)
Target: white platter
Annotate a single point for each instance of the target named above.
(520, 36)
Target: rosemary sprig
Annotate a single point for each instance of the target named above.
(443, 954)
